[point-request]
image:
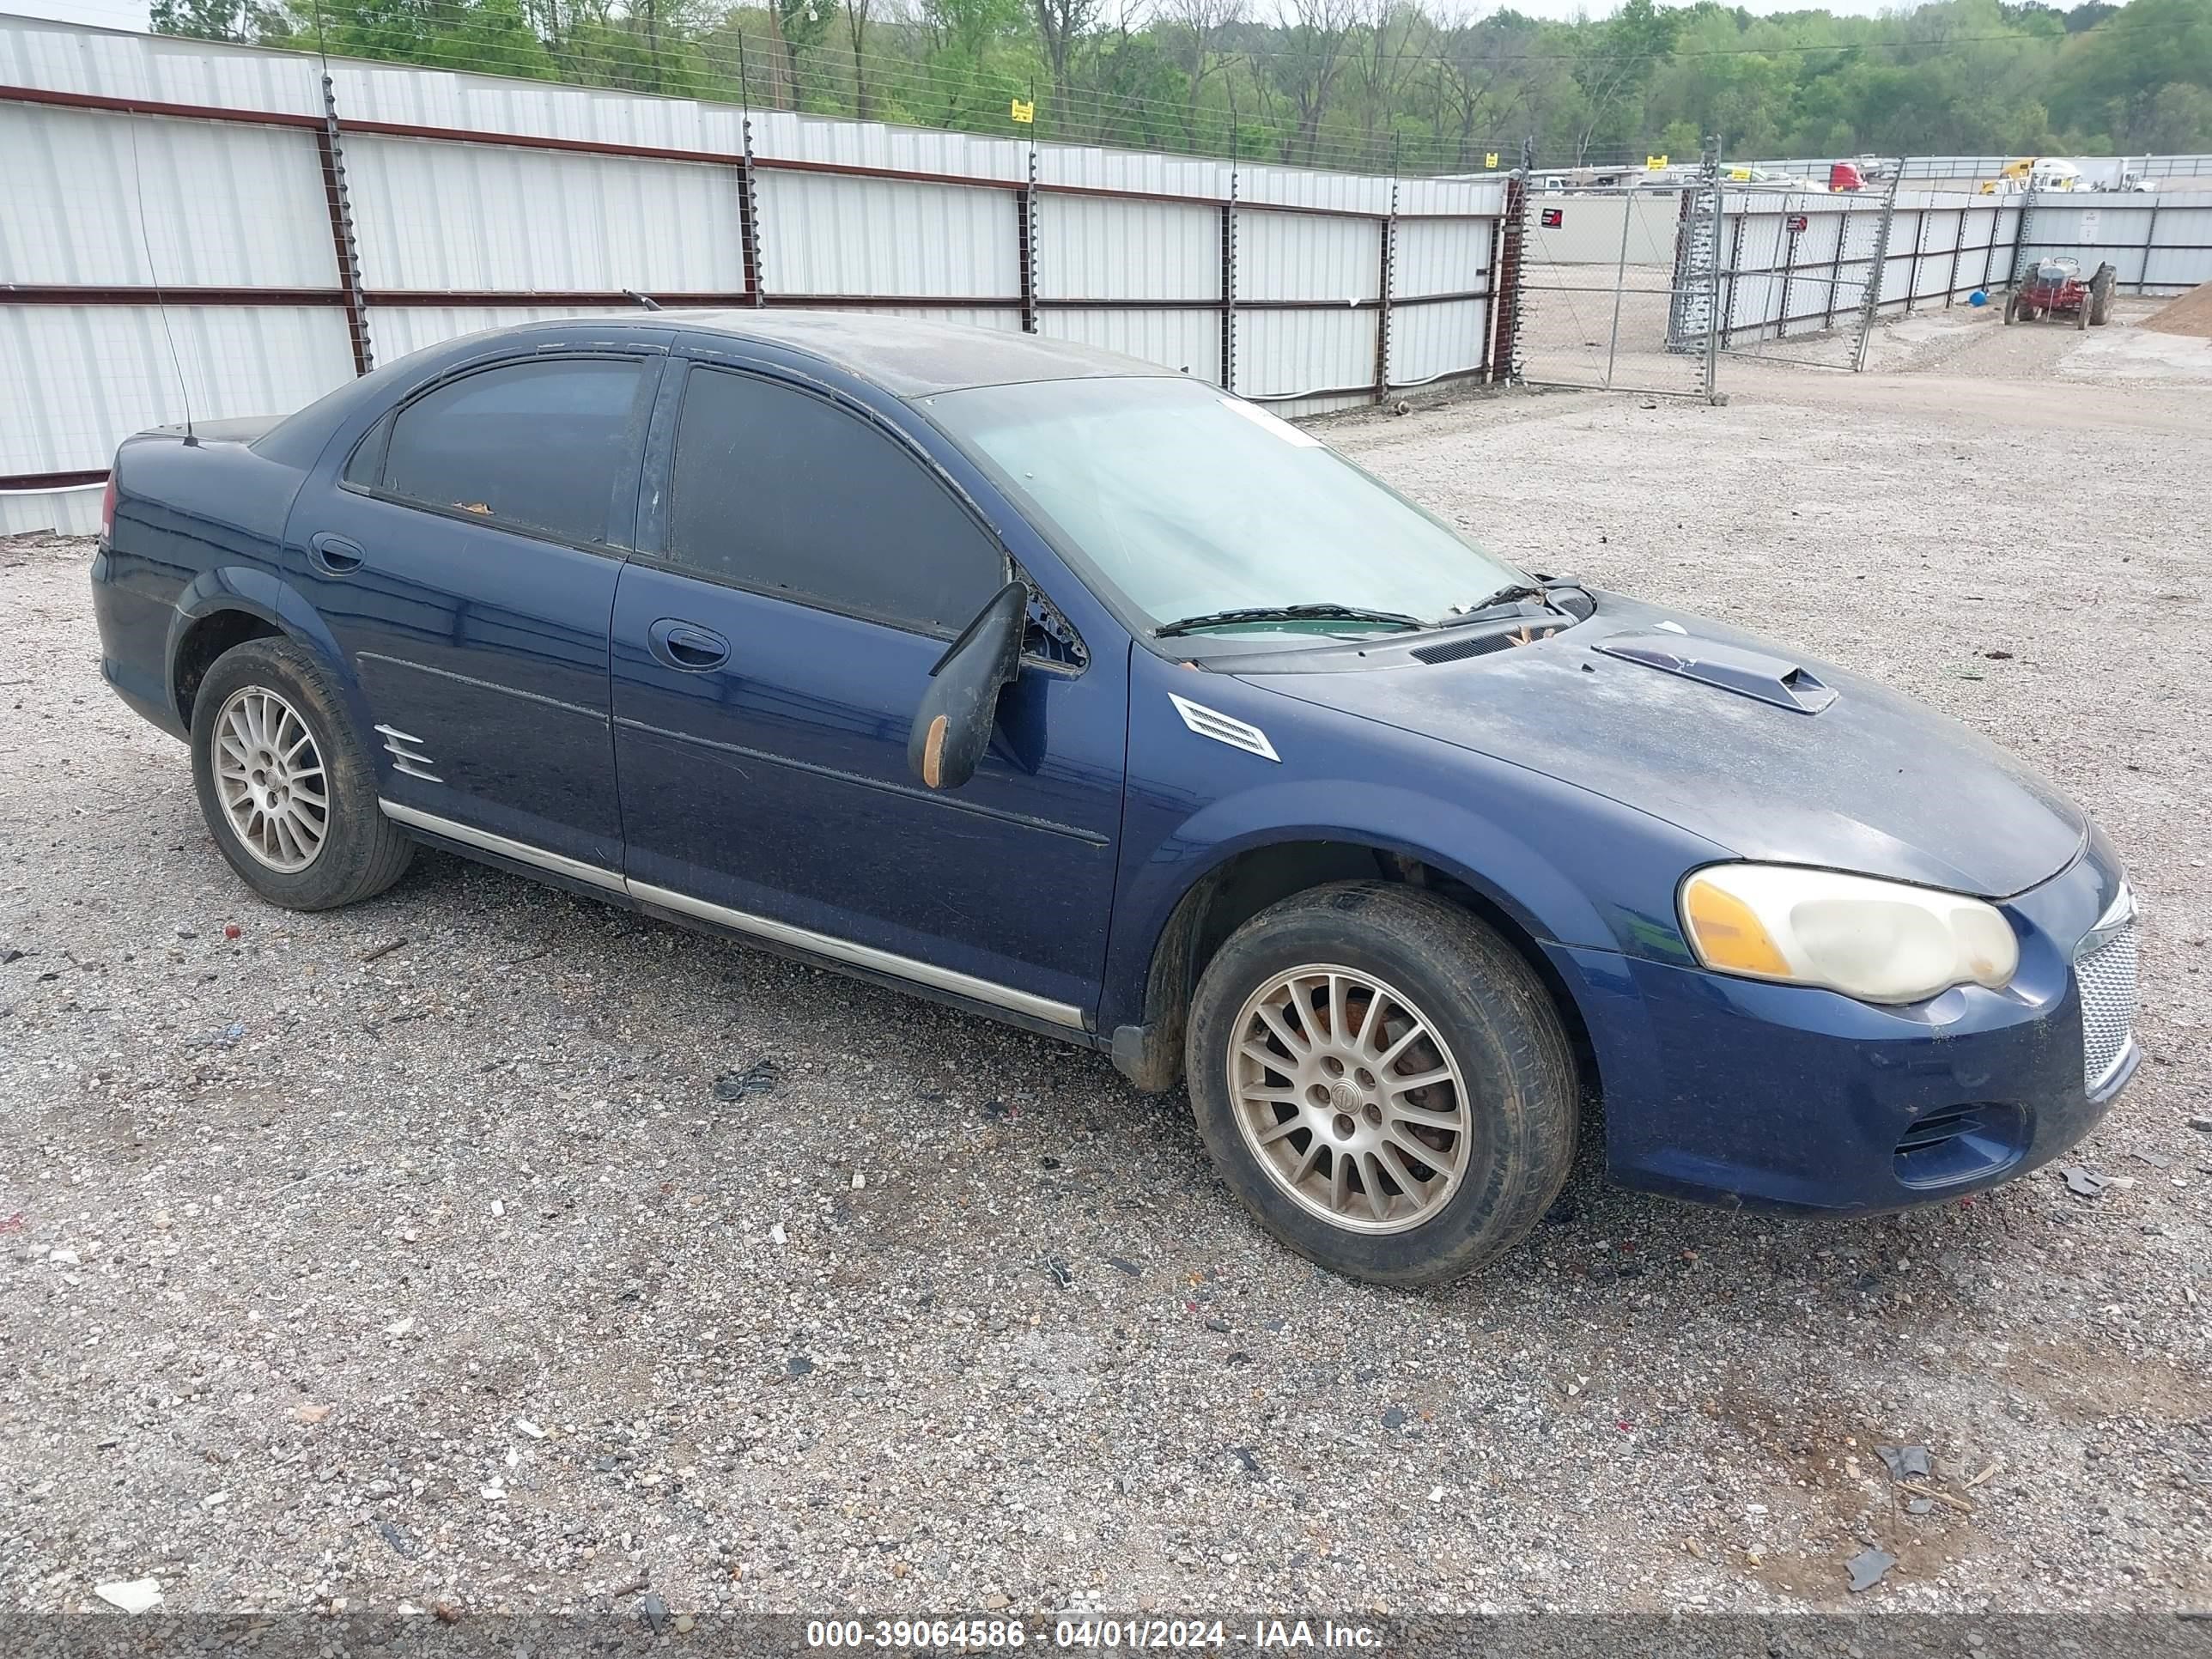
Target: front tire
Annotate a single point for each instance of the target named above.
(1383, 1081)
(286, 788)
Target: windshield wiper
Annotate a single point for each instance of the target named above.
(1512, 592)
(1266, 613)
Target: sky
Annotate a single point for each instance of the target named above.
(131, 14)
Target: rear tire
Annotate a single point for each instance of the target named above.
(1323, 1138)
(2101, 287)
(287, 790)
(2012, 309)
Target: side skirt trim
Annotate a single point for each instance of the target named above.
(521, 852)
(824, 945)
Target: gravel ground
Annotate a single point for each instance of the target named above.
(446, 1272)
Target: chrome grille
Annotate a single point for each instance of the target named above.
(2107, 977)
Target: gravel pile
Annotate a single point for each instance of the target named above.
(486, 1248)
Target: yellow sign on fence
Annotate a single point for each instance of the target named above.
(1653, 163)
(1024, 112)
(1490, 158)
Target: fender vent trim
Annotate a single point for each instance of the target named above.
(1225, 728)
(405, 759)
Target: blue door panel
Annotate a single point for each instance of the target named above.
(777, 784)
(488, 649)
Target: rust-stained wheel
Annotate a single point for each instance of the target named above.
(1383, 1081)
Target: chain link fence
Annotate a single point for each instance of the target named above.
(1616, 288)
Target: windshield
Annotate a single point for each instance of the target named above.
(1189, 503)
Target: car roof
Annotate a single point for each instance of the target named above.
(906, 356)
(909, 356)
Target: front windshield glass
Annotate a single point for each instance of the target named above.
(1189, 503)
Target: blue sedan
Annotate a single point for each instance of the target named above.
(1073, 692)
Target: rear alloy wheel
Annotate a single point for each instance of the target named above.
(1383, 1081)
(270, 781)
(284, 785)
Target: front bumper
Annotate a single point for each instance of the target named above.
(1733, 1091)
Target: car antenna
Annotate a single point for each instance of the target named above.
(138, 184)
(644, 299)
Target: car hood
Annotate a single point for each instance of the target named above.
(1707, 728)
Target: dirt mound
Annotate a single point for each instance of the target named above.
(2189, 315)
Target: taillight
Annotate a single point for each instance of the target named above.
(108, 509)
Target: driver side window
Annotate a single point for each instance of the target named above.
(780, 491)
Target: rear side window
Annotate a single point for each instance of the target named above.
(783, 492)
(537, 446)
(365, 467)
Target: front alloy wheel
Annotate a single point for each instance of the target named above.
(1383, 1081)
(1349, 1099)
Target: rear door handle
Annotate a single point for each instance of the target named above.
(688, 647)
(334, 555)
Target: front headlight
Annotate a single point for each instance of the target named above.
(1879, 941)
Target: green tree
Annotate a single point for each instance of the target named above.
(1349, 82)
(210, 20)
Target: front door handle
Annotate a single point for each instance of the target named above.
(334, 555)
(688, 647)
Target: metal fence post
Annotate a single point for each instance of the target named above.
(1487, 370)
(749, 219)
(1620, 282)
(1228, 285)
(1788, 267)
(1844, 217)
(2019, 243)
(1506, 308)
(1912, 269)
(1710, 180)
(2150, 246)
(1025, 204)
(1382, 316)
(342, 240)
(1735, 264)
(1878, 274)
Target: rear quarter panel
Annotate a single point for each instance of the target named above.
(198, 527)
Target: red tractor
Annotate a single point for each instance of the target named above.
(2054, 288)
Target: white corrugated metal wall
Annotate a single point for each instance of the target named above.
(2161, 240)
(476, 202)
(1591, 230)
(1942, 245)
(1799, 263)
(1970, 173)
